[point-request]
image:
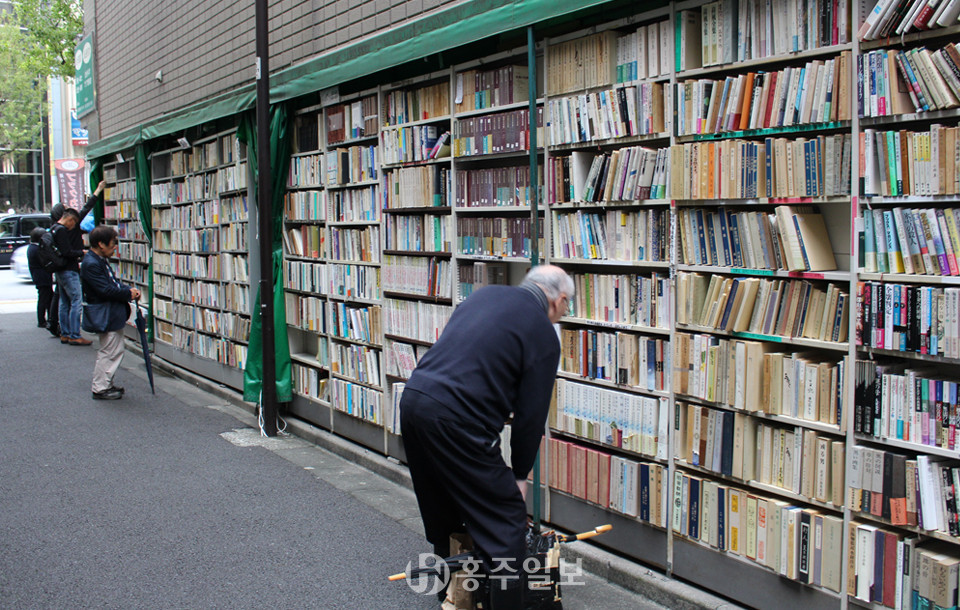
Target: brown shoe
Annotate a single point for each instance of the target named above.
(64, 339)
(80, 341)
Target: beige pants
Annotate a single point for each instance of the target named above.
(108, 360)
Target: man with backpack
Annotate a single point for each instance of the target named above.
(47, 306)
(68, 240)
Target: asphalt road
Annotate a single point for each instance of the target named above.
(141, 503)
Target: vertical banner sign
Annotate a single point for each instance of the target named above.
(70, 181)
(78, 134)
(83, 64)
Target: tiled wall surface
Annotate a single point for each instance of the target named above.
(207, 47)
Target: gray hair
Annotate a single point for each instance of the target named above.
(553, 280)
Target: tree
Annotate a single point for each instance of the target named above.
(53, 26)
(22, 92)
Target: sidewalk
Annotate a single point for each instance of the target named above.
(176, 501)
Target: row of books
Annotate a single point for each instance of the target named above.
(407, 105)
(353, 244)
(616, 357)
(474, 275)
(776, 167)
(401, 358)
(910, 404)
(896, 163)
(120, 190)
(353, 120)
(907, 318)
(793, 238)
(129, 252)
(418, 233)
(913, 241)
(129, 272)
(306, 312)
(622, 299)
(305, 277)
(196, 159)
(352, 165)
(480, 89)
(635, 489)
(220, 350)
(232, 178)
(416, 320)
(628, 421)
(901, 572)
(357, 400)
(917, 492)
(357, 362)
(131, 230)
(305, 240)
(801, 544)
(413, 144)
(615, 235)
(605, 114)
(751, 376)
(502, 186)
(234, 237)
(744, 448)
(234, 297)
(227, 324)
(415, 187)
(502, 132)
(785, 308)
(307, 171)
(417, 275)
(583, 63)
(509, 237)
(645, 52)
(308, 382)
(730, 31)
(364, 324)
(196, 240)
(352, 281)
(890, 17)
(892, 82)
(628, 174)
(305, 205)
(818, 92)
(354, 205)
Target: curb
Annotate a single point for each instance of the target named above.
(624, 573)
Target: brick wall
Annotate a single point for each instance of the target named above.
(207, 47)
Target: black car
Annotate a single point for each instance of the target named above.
(15, 232)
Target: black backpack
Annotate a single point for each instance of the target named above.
(48, 254)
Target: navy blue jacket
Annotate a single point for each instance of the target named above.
(498, 354)
(106, 298)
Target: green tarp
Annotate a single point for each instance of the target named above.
(279, 162)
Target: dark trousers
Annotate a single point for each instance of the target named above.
(462, 482)
(45, 308)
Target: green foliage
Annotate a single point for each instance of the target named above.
(53, 26)
(22, 92)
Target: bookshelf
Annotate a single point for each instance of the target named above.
(729, 196)
(201, 260)
(120, 211)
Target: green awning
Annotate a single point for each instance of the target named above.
(440, 31)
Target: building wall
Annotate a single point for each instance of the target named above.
(207, 47)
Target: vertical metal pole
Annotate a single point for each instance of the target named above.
(534, 225)
(268, 399)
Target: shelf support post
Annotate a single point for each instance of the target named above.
(268, 395)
